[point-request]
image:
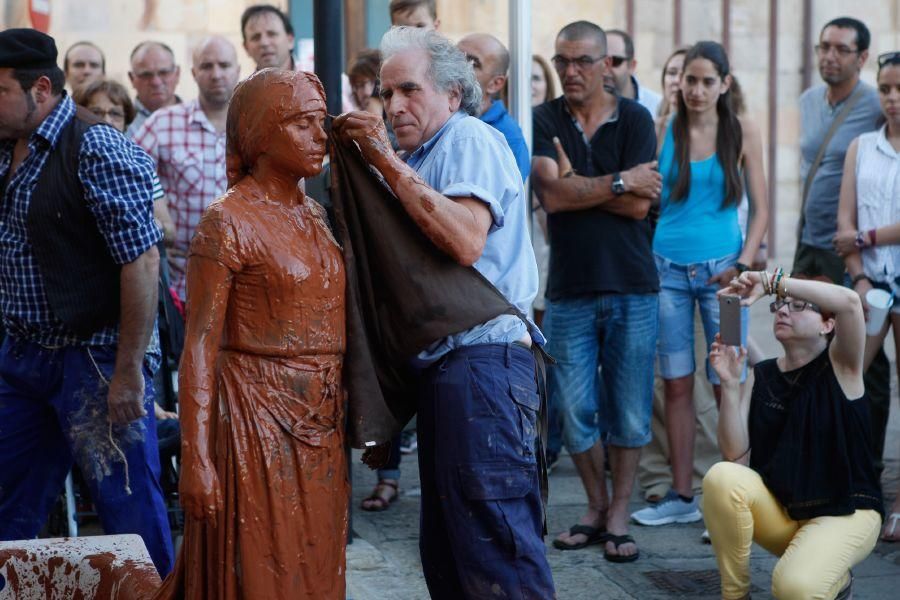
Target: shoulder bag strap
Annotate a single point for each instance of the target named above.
(814, 167)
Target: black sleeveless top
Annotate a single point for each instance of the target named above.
(809, 443)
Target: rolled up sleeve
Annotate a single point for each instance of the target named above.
(480, 168)
(118, 179)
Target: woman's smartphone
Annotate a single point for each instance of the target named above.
(730, 320)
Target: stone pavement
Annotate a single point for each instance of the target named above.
(383, 561)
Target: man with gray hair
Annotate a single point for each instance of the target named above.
(154, 76)
(481, 525)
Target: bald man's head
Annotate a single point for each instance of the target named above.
(215, 69)
(154, 74)
(490, 60)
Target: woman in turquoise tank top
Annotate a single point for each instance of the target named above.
(707, 153)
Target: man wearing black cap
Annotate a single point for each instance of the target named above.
(78, 270)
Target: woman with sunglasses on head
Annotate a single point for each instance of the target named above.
(868, 234)
(799, 474)
(706, 155)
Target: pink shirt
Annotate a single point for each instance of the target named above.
(190, 159)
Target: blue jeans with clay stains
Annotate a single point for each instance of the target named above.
(53, 413)
(481, 520)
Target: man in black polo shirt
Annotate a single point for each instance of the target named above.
(602, 293)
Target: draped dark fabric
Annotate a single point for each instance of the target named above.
(403, 294)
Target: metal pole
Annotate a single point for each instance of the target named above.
(520, 65)
(773, 125)
(328, 47)
(676, 24)
(806, 50)
(629, 17)
(726, 26)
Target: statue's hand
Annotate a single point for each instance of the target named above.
(201, 495)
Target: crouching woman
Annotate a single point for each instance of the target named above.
(799, 477)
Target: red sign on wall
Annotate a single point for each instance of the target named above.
(39, 11)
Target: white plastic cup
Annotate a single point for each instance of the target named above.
(880, 303)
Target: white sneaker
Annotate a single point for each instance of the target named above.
(704, 537)
(671, 509)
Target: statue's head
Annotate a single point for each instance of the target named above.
(280, 115)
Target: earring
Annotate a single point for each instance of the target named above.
(822, 333)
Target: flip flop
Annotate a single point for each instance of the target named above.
(893, 519)
(619, 540)
(595, 535)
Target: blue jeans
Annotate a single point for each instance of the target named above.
(680, 286)
(616, 332)
(481, 520)
(53, 412)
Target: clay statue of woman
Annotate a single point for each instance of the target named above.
(264, 479)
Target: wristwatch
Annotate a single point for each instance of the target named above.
(741, 267)
(618, 186)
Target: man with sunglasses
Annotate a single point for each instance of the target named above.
(154, 76)
(841, 53)
(602, 293)
(622, 64)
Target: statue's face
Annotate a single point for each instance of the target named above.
(297, 139)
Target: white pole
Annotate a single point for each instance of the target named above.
(520, 65)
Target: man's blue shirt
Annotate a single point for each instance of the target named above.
(497, 117)
(467, 158)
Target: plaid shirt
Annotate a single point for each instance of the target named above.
(117, 179)
(190, 159)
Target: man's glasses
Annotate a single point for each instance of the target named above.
(561, 63)
(889, 58)
(618, 60)
(113, 113)
(839, 49)
(794, 306)
(149, 75)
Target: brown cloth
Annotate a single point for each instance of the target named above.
(403, 294)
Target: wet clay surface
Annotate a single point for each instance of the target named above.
(264, 480)
(101, 568)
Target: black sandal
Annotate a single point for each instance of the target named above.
(594, 535)
(619, 540)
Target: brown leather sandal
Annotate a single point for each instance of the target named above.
(375, 502)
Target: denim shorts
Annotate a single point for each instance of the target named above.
(616, 332)
(680, 287)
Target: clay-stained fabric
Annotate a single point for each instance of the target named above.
(278, 423)
(403, 294)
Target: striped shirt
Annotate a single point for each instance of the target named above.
(190, 159)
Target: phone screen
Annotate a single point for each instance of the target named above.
(730, 320)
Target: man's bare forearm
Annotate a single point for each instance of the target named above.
(451, 225)
(137, 311)
(575, 193)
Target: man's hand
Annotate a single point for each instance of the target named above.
(643, 180)
(368, 131)
(562, 160)
(845, 242)
(126, 396)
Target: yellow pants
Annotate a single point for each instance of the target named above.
(816, 555)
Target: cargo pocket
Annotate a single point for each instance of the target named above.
(498, 512)
(527, 403)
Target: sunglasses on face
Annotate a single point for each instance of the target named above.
(617, 61)
(794, 306)
(561, 63)
(889, 58)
